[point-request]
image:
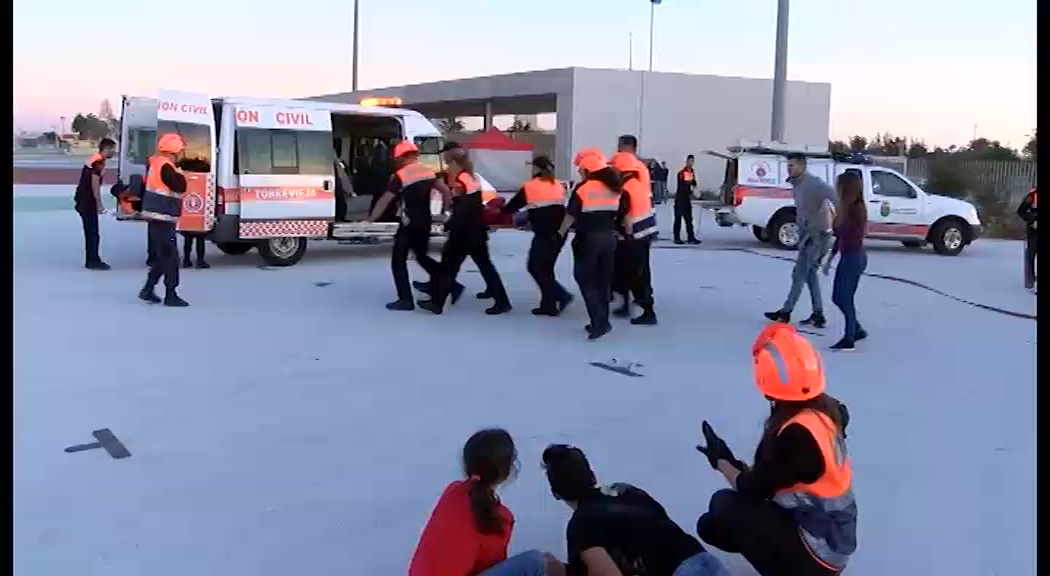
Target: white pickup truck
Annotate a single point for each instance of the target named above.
(756, 193)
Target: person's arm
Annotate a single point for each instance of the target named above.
(572, 211)
(621, 214)
(446, 194)
(794, 457)
(447, 544)
(96, 184)
(1025, 209)
(173, 179)
(516, 203)
(393, 189)
(599, 563)
(681, 178)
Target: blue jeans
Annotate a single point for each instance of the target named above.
(529, 563)
(702, 564)
(847, 277)
(811, 248)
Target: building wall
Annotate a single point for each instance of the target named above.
(688, 114)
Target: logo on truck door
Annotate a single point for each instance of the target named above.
(761, 174)
(884, 209)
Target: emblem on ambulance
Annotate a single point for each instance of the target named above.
(194, 202)
(884, 209)
(759, 170)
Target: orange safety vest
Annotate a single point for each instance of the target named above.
(470, 184)
(160, 203)
(1032, 197)
(641, 218)
(596, 197)
(642, 170)
(687, 174)
(825, 511)
(540, 193)
(410, 174)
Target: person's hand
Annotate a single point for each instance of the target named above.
(101, 210)
(716, 449)
(826, 269)
(1033, 224)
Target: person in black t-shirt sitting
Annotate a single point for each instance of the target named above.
(620, 530)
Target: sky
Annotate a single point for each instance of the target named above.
(914, 68)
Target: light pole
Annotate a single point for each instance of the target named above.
(353, 80)
(641, 99)
(776, 131)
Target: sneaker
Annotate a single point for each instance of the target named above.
(648, 318)
(497, 309)
(429, 306)
(544, 311)
(695, 241)
(100, 265)
(861, 334)
(679, 242)
(202, 265)
(843, 345)
(483, 295)
(400, 305)
(593, 334)
(172, 300)
(564, 302)
(147, 295)
(815, 320)
(187, 263)
(779, 316)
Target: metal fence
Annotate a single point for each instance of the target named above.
(1010, 179)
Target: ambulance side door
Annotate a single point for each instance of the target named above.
(285, 170)
(138, 135)
(192, 117)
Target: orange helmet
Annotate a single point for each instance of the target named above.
(787, 367)
(591, 160)
(405, 147)
(624, 162)
(170, 143)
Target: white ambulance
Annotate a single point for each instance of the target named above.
(756, 193)
(261, 172)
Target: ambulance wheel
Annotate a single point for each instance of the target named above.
(783, 230)
(760, 233)
(282, 251)
(235, 248)
(948, 236)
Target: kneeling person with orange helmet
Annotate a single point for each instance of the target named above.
(161, 207)
(640, 229)
(793, 513)
(596, 210)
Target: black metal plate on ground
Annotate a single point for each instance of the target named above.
(626, 369)
(106, 440)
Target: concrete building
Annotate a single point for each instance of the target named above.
(678, 114)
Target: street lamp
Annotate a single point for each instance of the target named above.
(641, 99)
(353, 80)
(776, 131)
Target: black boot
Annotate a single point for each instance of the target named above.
(594, 334)
(843, 345)
(815, 320)
(564, 302)
(147, 295)
(172, 300)
(679, 242)
(483, 295)
(424, 287)
(648, 318)
(545, 310)
(779, 316)
(187, 263)
(695, 241)
(499, 308)
(400, 305)
(456, 293)
(202, 265)
(429, 306)
(97, 265)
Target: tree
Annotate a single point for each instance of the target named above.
(1029, 148)
(447, 125)
(89, 127)
(837, 146)
(917, 149)
(519, 126)
(858, 144)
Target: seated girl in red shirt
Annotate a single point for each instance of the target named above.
(468, 531)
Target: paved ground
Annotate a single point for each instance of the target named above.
(296, 427)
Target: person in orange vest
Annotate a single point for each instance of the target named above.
(87, 200)
(161, 208)
(543, 200)
(467, 236)
(793, 512)
(634, 269)
(1028, 211)
(596, 210)
(410, 186)
(683, 203)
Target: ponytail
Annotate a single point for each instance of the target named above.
(489, 458)
(546, 174)
(483, 507)
(609, 177)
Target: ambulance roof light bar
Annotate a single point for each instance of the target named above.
(390, 101)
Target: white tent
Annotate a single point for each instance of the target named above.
(503, 161)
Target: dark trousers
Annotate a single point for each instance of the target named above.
(1030, 246)
(164, 248)
(188, 239)
(89, 220)
(621, 282)
(543, 255)
(847, 277)
(593, 254)
(460, 244)
(632, 274)
(416, 241)
(683, 210)
(761, 531)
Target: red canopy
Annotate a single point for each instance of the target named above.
(493, 139)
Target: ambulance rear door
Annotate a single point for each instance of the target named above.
(192, 117)
(285, 171)
(138, 137)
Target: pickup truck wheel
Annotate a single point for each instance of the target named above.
(948, 237)
(235, 248)
(282, 251)
(783, 231)
(913, 244)
(760, 233)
